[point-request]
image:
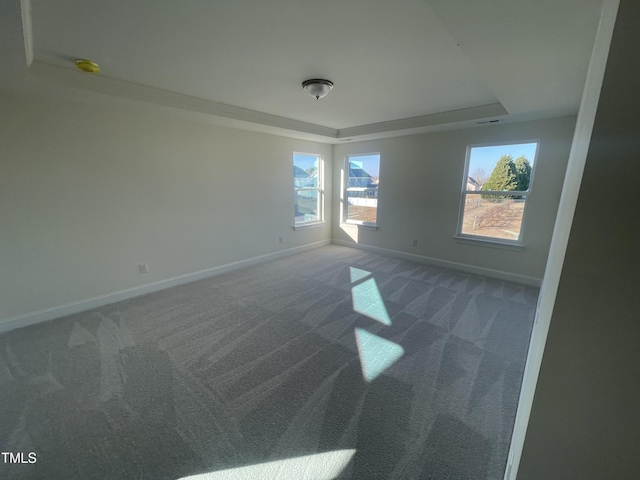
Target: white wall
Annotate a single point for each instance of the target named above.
(89, 190)
(420, 188)
(585, 418)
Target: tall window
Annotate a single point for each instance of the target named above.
(496, 184)
(361, 182)
(308, 189)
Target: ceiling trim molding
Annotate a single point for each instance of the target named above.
(433, 119)
(27, 30)
(119, 88)
(71, 78)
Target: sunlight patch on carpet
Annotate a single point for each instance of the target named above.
(368, 301)
(376, 354)
(357, 274)
(320, 466)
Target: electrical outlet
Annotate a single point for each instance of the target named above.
(280, 239)
(414, 243)
(143, 268)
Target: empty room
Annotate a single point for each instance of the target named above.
(294, 239)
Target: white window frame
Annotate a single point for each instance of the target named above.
(526, 194)
(319, 189)
(346, 189)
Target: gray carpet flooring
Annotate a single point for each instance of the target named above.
(376, 367)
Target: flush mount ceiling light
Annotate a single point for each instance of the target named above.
(317, 87)
(87, 66)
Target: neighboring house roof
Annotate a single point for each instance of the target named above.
(473, 181)
(358, 173)
(299, 172)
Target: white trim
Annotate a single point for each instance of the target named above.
(27, 30)
(561, 231)
(304, 226)
(242, 117)
(366, 226)
(452, 116)
(486, 272)
(123, 89)
(101, 300)
(492, 242)
(361, 189)
(506, 193)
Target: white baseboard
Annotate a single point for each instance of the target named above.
(101, 300)
(486, 272)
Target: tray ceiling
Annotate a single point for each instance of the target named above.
(396, 66)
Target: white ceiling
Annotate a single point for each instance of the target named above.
(396, 65)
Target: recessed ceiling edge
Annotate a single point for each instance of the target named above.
(27, 30)
(119, 88)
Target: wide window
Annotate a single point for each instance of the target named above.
(308, 190)
(361, 182)
(496, 184)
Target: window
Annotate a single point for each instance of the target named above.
(308, 190)
(361, 182)
(496, 184)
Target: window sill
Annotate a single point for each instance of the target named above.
(489, 242)
(365, 226)
(304, 226)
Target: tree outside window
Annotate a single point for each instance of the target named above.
(493, 204)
